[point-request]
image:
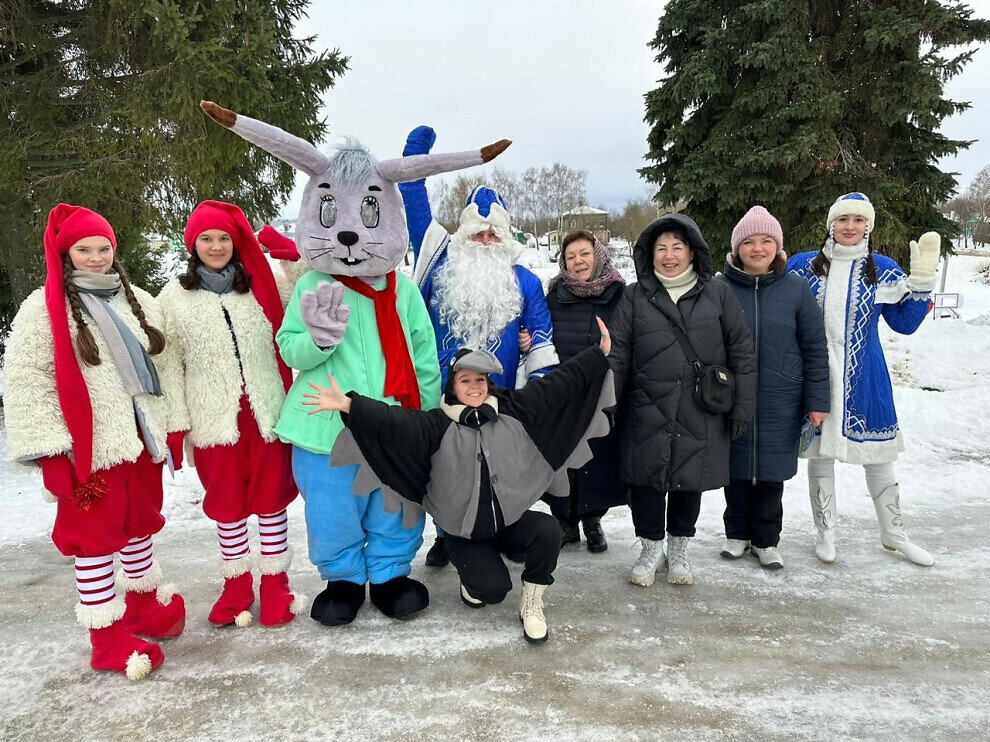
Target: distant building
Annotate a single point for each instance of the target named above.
(582, 217)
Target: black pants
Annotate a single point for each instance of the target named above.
(565, 509)
(479, 563)
(649, 505)
(754, 512)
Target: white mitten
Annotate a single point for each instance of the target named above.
(924, 261)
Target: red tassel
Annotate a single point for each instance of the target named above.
(92, 491)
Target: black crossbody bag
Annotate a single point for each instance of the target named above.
(714, 386)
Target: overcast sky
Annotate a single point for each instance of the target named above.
(563, 79)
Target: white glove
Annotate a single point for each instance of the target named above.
(924, 255)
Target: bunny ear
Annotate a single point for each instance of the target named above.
(414, 167)
(289, 148)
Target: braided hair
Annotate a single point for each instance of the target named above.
(190, 280)
(821, 262)
(85, 342)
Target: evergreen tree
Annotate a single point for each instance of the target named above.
(791, 103)
(99, 101)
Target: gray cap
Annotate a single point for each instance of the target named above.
(483, 361)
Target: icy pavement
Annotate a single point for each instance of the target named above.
(871, 647)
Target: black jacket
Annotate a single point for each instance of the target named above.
(792, 370)
(668, 441)
(596, 486)
(485, 470)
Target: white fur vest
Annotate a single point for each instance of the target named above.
(35, 425)
(196, 327)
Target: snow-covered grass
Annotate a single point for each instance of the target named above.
(868, 648)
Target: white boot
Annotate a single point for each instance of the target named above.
(531, 613)
(678, 567)
(823, 510)
(733, 548)
(644, 571)
(892, 535)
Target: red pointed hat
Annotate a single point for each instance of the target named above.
(229, 218)
(67, 225)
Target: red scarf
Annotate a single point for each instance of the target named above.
(400, 374)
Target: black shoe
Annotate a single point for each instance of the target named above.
(469, 600)
(338, 604)
(595, 535)
(568, 534)
(437, 555)
(400, 597)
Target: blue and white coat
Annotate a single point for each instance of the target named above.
(862, 426)
(430, 240)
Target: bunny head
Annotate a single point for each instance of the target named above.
(351, 220)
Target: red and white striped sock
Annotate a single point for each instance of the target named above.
(138, 557)
(94, 580)
(274, 531)
(233, 540)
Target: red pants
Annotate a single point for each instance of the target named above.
(131, 507)
(249, 477)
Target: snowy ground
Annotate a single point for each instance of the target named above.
(868, 648)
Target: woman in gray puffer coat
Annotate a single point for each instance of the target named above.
(672, 448)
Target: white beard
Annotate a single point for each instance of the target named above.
(477, 293)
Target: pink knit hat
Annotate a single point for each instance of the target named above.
(757, 221)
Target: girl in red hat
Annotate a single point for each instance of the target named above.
(85, 376)
(221, 316)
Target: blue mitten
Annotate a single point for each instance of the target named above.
(420, 141)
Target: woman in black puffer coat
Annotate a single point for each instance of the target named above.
(792, 383)
(587, 286)
(671, 448)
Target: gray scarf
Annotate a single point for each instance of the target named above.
(132, 361)
(219, 282)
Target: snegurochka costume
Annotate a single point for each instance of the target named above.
(862, 425)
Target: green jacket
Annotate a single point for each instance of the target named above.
(357, 363)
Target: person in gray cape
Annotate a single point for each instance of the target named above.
(480, 461)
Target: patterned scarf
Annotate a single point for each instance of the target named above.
(603, 275)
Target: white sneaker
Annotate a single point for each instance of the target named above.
(531, 613)
(769, 557)
(678, 567)
(469, 600)
(651, 559)
(733, 548)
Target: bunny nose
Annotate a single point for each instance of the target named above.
(347, 238)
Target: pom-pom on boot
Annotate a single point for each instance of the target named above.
(235, 601)
(279, 605)
(113, 646)
(153, 609)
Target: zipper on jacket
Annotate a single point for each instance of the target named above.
(756, 337)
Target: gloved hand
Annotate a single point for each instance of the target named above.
(278, 245)
(420, 141)
(325, 314)
(924, 256)
(738, 429)
(174, 443)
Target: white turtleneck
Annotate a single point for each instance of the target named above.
(834, 251)
(680, 284)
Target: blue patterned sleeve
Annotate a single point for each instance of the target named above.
(542, 356)
(903, 310)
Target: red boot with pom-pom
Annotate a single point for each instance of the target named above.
(279, 605)
(235, 601)
(153, 609)
(113, 646)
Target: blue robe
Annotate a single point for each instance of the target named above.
(430, 241)
(862, 425)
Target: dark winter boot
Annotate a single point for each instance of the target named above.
(338, 604)
(595, 535)
(400, 597)
(568, 534)
(437, 555)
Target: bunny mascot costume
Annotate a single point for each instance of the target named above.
(353, 315)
